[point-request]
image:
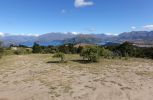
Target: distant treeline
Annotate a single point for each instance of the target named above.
(1, 50)
(126, 49)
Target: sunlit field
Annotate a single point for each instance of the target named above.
(41, 77)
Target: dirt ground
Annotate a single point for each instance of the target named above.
(39, 77)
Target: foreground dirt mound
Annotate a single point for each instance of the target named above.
(30, 77)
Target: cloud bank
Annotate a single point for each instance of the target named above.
(1, 34)
(82, 3)
(148, 27)
(8, 34)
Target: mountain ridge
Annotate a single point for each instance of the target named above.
(57, 38)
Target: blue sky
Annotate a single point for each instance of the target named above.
(86, 16)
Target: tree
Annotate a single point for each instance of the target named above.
(59, 55)
(36, 48)
(127, 49)
(79, 49)
(1, 50)
(49, 49)
(64, 49)
(72, 49)
(106, 53)
(91, 53)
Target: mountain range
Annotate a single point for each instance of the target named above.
(57, 38)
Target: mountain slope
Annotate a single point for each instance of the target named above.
(139, 37)
(144, 37)
(83, 39)
(54, 36)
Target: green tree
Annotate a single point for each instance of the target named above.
(64, 49)
(91, 53)
(59, 55)
(72, 49)
(1, 50)
(106, 53)
(79, 49)
(127, 49)
(36, 48)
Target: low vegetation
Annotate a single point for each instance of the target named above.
(36, 48)
(80, 73)
(1, 50)
(59, 55)
(89, 53)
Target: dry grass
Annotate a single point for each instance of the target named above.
(39, 77)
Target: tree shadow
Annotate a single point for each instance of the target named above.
(78, 61)
(81, 61)
(54, 62)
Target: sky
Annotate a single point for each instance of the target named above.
(77, 16)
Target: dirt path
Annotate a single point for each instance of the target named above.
(30, 77)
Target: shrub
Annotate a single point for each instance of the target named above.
(1, 50)
(91, 53)
(67, 49)
(106, 53)
(49, 49)
(17, 52)
(21, 51)
(36, 48)
(79, 49)
(59, 55)
(127, 48)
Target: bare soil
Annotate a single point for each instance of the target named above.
(40, 77)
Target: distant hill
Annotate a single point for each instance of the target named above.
(54, 36)
(17, 39)
(140, 37)
(82, 38)
(45, 39)
(137, 37)
(83, 45)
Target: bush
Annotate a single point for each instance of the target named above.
(91, 53)
(79, 49)
(67, 49)
(49, 49)
(21, 51)
(1, 50)
(59, 55)
(106, 53)
(17, 52)
(36, 48)
(127, 48)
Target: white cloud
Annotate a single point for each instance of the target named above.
(82, 3)
(1, 34)
(36, 35)
(8, 34)
(110, 34)
(133, 27)
(148, 27)
(75, 33)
